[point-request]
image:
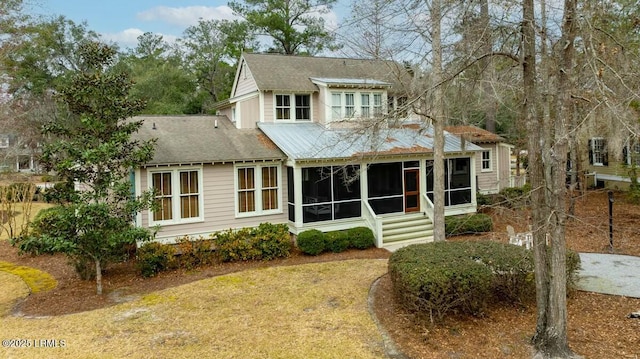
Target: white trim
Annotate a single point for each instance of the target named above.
(482, 161)
(137, 185)
(292, 107)
(175, 195)
(257, 189)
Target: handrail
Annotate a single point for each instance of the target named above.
(374, 222)
(428, 206)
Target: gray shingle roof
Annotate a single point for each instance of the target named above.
(195, 139)
(273, 72)
(312, 141)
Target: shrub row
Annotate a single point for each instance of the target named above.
(465, 277)
(266, 242)
(467, 224)
(314, 242)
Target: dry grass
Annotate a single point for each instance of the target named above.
(311, 311)
(35, 208)
(13, 290)
(36, 280)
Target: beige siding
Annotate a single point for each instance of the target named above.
(504, 166)
(319, 105)
(615, 175)
(487, 181)
(249, 112)
(269, 108)
(246, 84)
(219, 205)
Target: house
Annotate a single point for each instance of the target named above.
(493, 167)
(17, 155)
(311, 142)
(610, 165)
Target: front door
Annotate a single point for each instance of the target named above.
(412, 190)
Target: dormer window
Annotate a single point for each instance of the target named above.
(293, 107)
(347, 105)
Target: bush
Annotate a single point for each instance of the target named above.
(154, 257)
(194, 252)
(468, 224)
(516, 197)
(266, 242)
(361, 238)
(465, 277)
(337, 241)
(312, 242)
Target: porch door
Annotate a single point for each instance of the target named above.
(412, 190)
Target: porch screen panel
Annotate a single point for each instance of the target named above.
(291, 200)
(385, 187)
(346, 192)
(316, 194)
(460, 183)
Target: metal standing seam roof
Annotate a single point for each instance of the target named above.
(312, 141)
(196, 139)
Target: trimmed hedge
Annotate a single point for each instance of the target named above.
(467, 224)
(465, 277)
(154, 257)
(312, 242)
(361, 238)
(266, 242)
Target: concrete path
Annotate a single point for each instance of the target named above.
(610, 274)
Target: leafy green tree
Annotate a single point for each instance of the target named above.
(93, 156)
(209, 50)
(160, 78)
(294, 25)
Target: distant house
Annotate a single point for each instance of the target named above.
(310, 142)
(607, 169)
(16, 156)
(493, 167)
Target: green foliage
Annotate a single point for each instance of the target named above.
(516, 197)
(296, 26)
(337, 241)
(154, 257)
(267, 242)
(194, 252)
(361, 238)
(312, 242)
(94, 147)
(466, 224)
(465, 277)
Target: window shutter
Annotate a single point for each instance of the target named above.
(605, 153)
(590, 152)
(625, 155)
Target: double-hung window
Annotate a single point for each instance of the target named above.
(178, 195)
(347, 105)
(258, 189)
(486, 161)
(4, 141)
(598, 151)
(293, 107)
(365, 107)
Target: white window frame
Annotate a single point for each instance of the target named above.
(4, 141)
(343, 110)
(598, 152)
(257, 173)
(175, 195)
(292, 107)
(486, 161)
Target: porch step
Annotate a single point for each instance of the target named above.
(400, 231)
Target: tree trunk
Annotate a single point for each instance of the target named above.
(98, 277)
(438, 125)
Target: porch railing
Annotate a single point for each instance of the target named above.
(428, 206)
(374, 221)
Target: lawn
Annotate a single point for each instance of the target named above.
(307, 311)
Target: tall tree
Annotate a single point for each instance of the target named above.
(93, 156)
(295, 26)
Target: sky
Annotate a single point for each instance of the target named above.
(122, 21)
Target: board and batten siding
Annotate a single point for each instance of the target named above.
(219, 205)
(487, 181)
(249, 112)
(246, 83)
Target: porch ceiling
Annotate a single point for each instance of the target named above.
(313, 141)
